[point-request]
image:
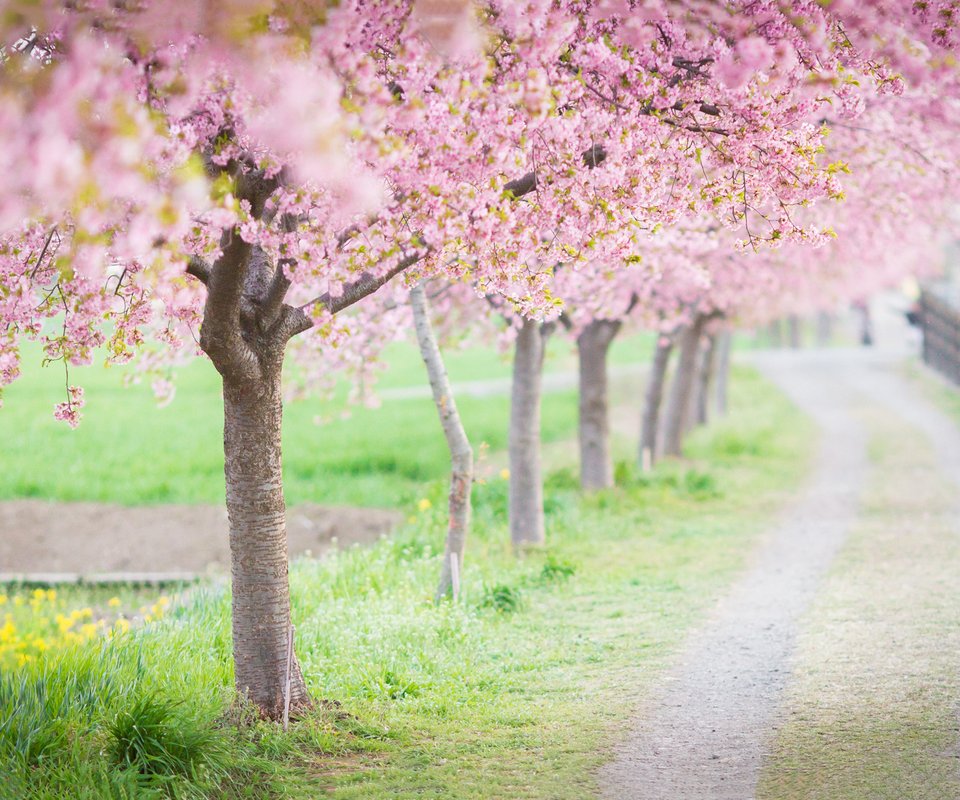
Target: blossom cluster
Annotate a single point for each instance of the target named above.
(589, 155)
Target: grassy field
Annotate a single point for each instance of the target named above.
(131, 452)
(515, 691)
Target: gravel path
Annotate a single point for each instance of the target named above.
(703, 734)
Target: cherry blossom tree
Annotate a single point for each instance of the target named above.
(223, 177)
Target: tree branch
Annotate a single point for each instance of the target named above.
(296, 320)
(220, 331)
(199, 268)
(364, 285)
(592, 157)
(272, 306)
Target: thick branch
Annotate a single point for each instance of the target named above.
(200, 269)
(296, 320)
(220, 332)
(272, 305)
(362, 286)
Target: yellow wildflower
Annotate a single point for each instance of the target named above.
(89, 630)
(505, 474)
(424, 504)
(121, 625)
(3, 599)
(51, 595)
(17, 600)
(114, 602)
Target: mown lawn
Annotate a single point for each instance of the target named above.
(129, 451)
(515, 691)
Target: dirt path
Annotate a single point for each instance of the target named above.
(96, 538)
(711, 726)
(703, 734)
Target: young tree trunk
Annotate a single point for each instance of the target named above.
(705, 378)
(461, 453)
(526, 481)
(681, 391)
(795, 331)
(258, 544)
(593, 345)
(723, 371)
(652, 401)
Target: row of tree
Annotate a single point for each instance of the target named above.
(224, 177)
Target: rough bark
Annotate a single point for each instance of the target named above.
(526, 482)
(723, 371)
(245, 329)
(461, 453)
(243, 333)
(682, 389)
(652, 401)
(593, 345)
(705, 371)
(258, 544)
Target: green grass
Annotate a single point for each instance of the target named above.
(129, 451)
(516, 691)
(936, 387)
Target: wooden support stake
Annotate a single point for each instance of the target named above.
(455, 575)
(286, 685)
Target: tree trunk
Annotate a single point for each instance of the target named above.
(593, 345)
(776, 333)
(461, 453)
(824, 328)
(258, 544)
(651, 405)
(681, 391)
(245, 330)
(723, 371)
(526, 481)
(705, 378)
(795, 331)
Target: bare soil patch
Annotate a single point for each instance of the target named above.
(39, 536)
